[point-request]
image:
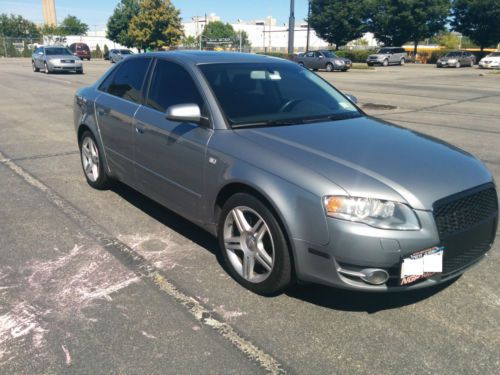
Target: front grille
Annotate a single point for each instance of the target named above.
(466, 223)
(460, 214)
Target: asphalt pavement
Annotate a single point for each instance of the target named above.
(111, 282)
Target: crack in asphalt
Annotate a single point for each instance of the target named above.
(149, 273)
(42, 156)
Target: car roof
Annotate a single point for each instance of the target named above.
(55, 46)
(207, 57)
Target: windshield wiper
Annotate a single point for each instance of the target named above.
(300, 120)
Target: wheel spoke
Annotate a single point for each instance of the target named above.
(259, 230)
(248, 265)
(88, 168)
(264, 259)
(240, 220)
(233, 243)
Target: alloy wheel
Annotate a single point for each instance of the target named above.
(90, 159)
(249, 244)
(386, 62)
(329, 67)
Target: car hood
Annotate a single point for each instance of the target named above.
(491, 58)
(446, 58)
(366, 157)
(62, 57)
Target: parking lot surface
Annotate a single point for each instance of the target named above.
(110, 282)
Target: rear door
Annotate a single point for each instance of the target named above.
(170, 155)
(115, 110)
(309, 60)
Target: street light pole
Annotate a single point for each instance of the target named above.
(291, 27)
(308, 27)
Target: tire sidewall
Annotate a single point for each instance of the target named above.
(103, 181)
(329, 67)
(281, 275)
(385, 62)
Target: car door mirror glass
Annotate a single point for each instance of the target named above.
(184, 113)
(352, 98)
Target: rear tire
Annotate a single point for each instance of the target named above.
(402, 61)
(35, 69)
(91, 157)
(253, 245)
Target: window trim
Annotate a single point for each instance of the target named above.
(114, 71)
(152, 68)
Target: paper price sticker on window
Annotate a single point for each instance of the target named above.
(422, 264)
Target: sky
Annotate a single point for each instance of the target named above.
(95, 13)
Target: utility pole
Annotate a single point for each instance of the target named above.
(308, 27)
(291, 27)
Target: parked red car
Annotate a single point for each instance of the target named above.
(81, 50)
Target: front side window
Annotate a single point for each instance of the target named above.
(454, 54)
(253, 94)
(53, 51)
(171, 84)
(310, 54)
(385, 51)
(127, 81)
(329, 54)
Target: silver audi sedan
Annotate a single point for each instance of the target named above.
(55, 59)
(296, 182)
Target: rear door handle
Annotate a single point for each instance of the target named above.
(102, 112)
(139, 129)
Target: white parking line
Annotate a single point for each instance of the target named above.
(56, 79)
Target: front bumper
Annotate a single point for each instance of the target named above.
(356, 246)
(489, 65)
(444, 64)
(61, 66)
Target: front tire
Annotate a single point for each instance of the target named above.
(35, 69)
(253, 245)
(92, 162)
(47, 70)
(385, 63)
(457, 65)
(402, 61)
(329, 67)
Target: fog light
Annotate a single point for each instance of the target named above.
(374, 276)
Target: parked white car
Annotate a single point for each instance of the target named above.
(491, 61)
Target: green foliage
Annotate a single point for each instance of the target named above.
(477, 19)
(337, 21)
(97, 53)
(72, 25)
(105, 50)
(446, 39)
(27, 52)
(395, 22)
(189, 42)
(18, 27)
(281, 55)
(157, 25)
(218, 30)
(355, 55)
(435, 55)
(118, 23)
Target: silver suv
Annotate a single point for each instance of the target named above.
(387, 56)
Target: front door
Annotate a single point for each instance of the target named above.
(115, 110)
(170, 155)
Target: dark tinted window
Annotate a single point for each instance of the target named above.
(57, 51)
(310, 54)
(171, 84)
(127, 81)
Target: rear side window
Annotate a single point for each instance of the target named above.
(171, 84)
(127, 82)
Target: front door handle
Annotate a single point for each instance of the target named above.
(139, 129)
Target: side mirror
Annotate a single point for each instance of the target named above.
(184, 113)
(352, 98)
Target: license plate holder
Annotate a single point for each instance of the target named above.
(421, 264)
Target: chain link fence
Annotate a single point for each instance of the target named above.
(18, 47)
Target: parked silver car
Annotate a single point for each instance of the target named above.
(456, 59)
(55, 59)
(388, 56)
(116, 55)
(323, 59)
(294, 180)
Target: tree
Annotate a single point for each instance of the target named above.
(337, 21)
(157, 25)
(118, 23)
(98, 52)
(17, 27)
(72, 25)
(105, 51)
(446, 39)
(216, 33)
(189, 42)
(243, 37)
(395, 22)
(477, 19)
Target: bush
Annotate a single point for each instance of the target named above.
(355, 55)
(106, 51)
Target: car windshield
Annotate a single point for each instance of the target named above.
(125, 52)
(329, 54)
(57, 51)
(385, 51)
(454, 54)
(266, 94)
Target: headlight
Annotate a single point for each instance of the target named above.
(374, 212)
(78, 62)
(452, 61)
(339, 62)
